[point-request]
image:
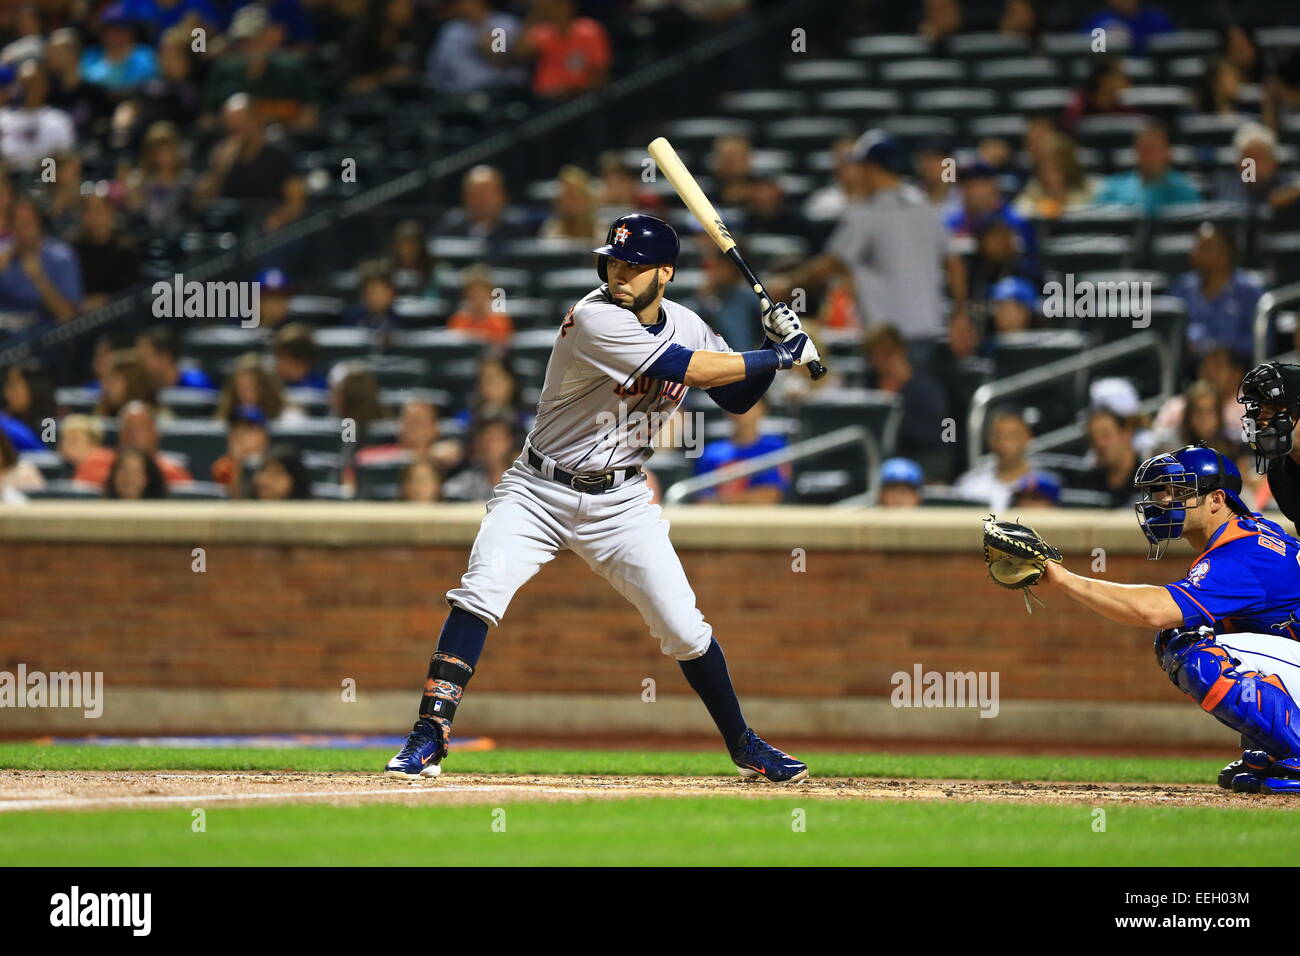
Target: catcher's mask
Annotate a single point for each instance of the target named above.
(1170, 483)
(1272, 392)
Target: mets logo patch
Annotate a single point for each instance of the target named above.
(1198, 573)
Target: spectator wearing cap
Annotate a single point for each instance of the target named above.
(88, 104)
(293, 349)
(1220, 297)
(159, 348)
(244, 165)
(31, 129)
(993, 479)
(747, 441)
(278, 84)
(1133, 20)
(1154, 185)
(247, 440)
(463, 58)
(478, 315)
(137, 430)
(1115, 461)
(1013, 306)
(895, 249)
(924, 399)
(901, 483)
(40, 277)
(110, 262)
(1273, 192)
(983, 206)
(1038, 489)
(1058, 182)
(119, 63)
(274, 294)
(484, 211)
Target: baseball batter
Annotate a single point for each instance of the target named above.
(623, 359)
(1228, 635)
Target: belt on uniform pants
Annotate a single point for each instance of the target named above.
(589, 484)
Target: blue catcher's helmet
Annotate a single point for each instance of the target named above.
(1169, 481)
(640, 239)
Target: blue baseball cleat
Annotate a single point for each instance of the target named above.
(422, 755)
(1253, 763)
(755, 757)
(1283, 778)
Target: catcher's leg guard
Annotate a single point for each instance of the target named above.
(1251, 703)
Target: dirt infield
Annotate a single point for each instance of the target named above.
(95, 790)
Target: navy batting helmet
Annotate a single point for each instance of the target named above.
(640, 239)
(1169, 481)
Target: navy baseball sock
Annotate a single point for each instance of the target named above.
(709, 678)
(452, 665)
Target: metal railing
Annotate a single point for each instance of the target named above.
(1269, 301)
(1068, 435)
(808, 448)
(1027, 381)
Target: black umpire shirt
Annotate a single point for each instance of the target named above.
(1284, 482)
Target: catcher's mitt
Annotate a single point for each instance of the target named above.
(1016, 555)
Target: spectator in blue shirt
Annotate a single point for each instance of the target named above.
(764, 488)
(165, 14)
(1130, 18)
(40, 278)
(1154, 184)
(294, 350)
(1221, 298)
(119, 63)
(159, 349)
(461, 58)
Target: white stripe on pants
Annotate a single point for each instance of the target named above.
(620, 535)
(1268, 654)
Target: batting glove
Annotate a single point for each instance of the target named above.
(797, 349)
(780, 322)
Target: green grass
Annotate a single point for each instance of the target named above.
(638, 832)
(978, 767)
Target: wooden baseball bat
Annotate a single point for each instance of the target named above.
(671, 165)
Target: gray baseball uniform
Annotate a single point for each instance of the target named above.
(598, 413)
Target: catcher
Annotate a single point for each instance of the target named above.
(1227, 633)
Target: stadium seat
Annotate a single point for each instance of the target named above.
(1087, 253)
(199, 441)
(920, 74)
(1079, 45)
(419, 313)
(758, 104)
(1183, 42)
(457, 249)
(310, 434)
(1083, 498)
(824, 74)
(197, 491)
(49, 463)
(913, 130)
(317, 309)
(73, 400)
(338, 344)
(1017, 73)
(65, 488)
(541, 256)
(401, 371)
(800, 132)
(1110, 130)
(979, 46)
(954, 102)
(700, 132)
(1170, 253)
(859, 104)
(832, 408)
(944, 496)
(1165, 102)
(882, 47)
(215, 346)
(189, 402)
(1051, 99)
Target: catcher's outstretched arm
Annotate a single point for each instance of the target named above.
(1146, 605)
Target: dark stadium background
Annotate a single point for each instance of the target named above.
(348, 86)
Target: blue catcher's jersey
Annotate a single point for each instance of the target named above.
(1247, 580)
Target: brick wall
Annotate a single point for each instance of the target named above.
(307, 615)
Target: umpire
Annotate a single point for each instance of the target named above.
(1271, 394)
